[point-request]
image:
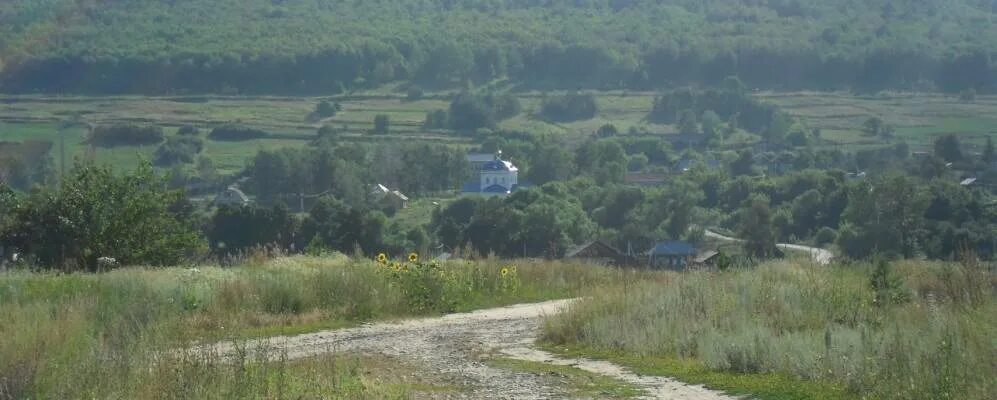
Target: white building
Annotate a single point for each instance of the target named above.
(494, 178)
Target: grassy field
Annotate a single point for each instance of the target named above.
(789, 331)
(103, 336)
(918, 118)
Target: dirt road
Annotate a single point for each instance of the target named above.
(452, 346)
(821, 256)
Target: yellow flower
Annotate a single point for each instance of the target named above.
(396, 266)
(505, 271)
(413, 257)
(381, 258)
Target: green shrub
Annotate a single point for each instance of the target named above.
(232, 132)
(569, 107)
(188, 130)
(178, 150)
(825, 236)
(125, 135)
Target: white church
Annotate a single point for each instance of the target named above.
(495, 176)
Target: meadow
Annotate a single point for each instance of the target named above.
(786, 330)
(104, 336)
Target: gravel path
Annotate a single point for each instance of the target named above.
(452, 346)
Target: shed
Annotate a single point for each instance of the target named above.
(706, 258)
(595, 252)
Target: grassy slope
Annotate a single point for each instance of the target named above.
(786, 331)
(96, 336)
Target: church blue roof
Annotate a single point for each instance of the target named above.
(498, 165)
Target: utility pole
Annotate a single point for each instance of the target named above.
(62, 155)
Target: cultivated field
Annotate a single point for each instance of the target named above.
(918, 119)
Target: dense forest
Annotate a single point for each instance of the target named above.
(328, 46)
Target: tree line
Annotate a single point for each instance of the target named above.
(260, 46)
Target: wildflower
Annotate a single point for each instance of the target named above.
(381, 258)
(413, 257)
(396, 266)
(505, 271)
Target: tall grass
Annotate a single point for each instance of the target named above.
(102, 336)
(814, 323)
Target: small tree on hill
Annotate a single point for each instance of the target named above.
(687, 123)
(948, 148)
(326, 109)
(382, 124)
(607, 130)
(757, 229)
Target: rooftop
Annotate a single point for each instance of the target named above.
(673, 248)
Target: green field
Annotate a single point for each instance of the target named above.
(918, 119)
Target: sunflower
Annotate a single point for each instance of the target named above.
(381, 258)
(505, 271)
(396, 266)
(413, 257)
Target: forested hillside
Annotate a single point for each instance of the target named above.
(327, 46)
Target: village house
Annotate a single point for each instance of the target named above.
(673, 255)
(232, 196)
(389, 199)
(596, 252)
(687, 163)
(497, 177)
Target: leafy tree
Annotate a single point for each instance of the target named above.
(948, 148)
(471, 111)
(188, 130)
(711, 123)
(744, 164)
(382, 124)
(569, 107)
(178, 150)
(238, 228)
(234, 132)
(96, 213)
(607, 130)
(326, 109)
(872, 126)
(733, 84)
(887, 215)
(825, 236)
(436, 119)
(687, 123)
(757, 230)
(327, 131)
(125, 135)
(988, 151)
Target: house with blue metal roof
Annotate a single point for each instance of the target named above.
(672, 254)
